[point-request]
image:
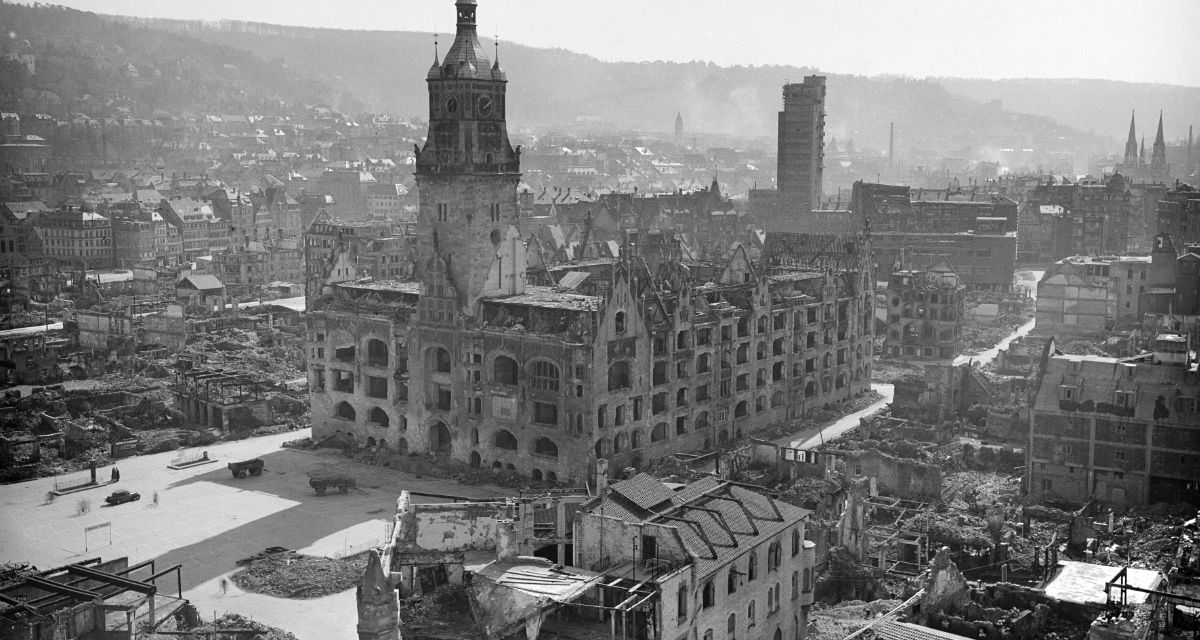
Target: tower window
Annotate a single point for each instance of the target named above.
(495, 212)
(443, 212)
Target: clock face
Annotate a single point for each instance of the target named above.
(485, 106)
(451, 105)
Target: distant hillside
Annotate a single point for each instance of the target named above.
(1101, 106)
(85, 60)
(384, 71)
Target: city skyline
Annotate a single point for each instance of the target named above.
(1099, 40)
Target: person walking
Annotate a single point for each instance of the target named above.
(156, 498)
(224, 586)
(116, 474)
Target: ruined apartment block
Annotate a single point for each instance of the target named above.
(924, 314)
(471, 362)
(1122, 430)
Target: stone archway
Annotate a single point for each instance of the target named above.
(440, 440)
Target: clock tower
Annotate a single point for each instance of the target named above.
(467, 175)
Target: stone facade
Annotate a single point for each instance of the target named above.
(653, 354)
(1125, 431)
(924, 314)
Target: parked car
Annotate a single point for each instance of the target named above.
(121, 496)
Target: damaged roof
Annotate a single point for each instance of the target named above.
(550, 298)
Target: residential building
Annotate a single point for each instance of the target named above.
(76, 238)
(201, 231)
(1126, 431)
(1179, 214)
(724, 561)
(1093, 218)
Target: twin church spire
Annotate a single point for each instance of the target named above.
(1158, 154)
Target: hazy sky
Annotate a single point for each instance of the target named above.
(1139, 40)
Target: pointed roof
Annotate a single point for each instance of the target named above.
(1131, 143)
(1159, 158)
(466, 57)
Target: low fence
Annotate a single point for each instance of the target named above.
(67, 484)
(188, 457)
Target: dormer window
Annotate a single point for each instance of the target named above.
(1125, 399)
(1068, 392)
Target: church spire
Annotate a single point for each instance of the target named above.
(1158, 159)
(1142, 157)
(1131, 157)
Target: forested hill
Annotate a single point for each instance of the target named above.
(227, 66)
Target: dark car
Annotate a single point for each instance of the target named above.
(122, 496)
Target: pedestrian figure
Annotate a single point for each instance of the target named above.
(116, 474)
(156, 498)
(83, 507)
(49, 497)
(224, 586)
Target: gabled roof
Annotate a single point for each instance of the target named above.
(200, 282)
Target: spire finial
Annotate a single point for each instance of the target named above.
(435, 45)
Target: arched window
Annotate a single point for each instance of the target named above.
(841, 380)
(750, 610)
(760, 352)
(345, 411)
(378, 416)
(743, 327)
(777, 399)
(618, 375)
(795, 542)
(377, 353)
(659, 432)
(681, 602)
(545, 447)
(440, 439)
(731, 626)
(475, 460)
(731, 584)
(504, 439)
(752, 566)
(474, 436)
(543, 375)
(618, 442)
(777, 347)
(536, 475)
(635, 439)
(741, 409)
(795, 585)
(620, 322)
(708, 595)
(810, 389)
(601, 448)
(441, 359)
(504, 370)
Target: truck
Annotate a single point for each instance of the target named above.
(240, 469)
(343, 483)
(121, 496)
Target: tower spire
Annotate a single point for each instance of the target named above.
(1158, 158)
(1131, 150)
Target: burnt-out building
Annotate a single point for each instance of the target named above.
(1123, 430)
(632, 359)
(924, 314)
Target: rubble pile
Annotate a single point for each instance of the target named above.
(292, 575)
(444, 614)
(207, 630)
(841, 620)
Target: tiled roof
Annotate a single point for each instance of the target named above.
(643, 491)
(892, 630)
(717, 521)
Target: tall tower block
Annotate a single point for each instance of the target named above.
(467, 174)
(802, 144)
